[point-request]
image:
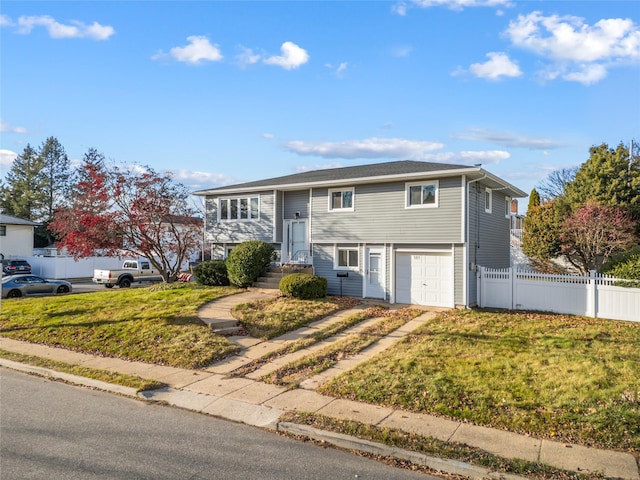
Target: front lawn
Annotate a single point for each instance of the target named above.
(557, 376)
(154, 325)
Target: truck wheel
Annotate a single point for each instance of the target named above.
(125, 283)
(108, 285)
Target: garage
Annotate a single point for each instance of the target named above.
(424, 278)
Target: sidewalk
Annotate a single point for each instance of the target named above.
(247, 400)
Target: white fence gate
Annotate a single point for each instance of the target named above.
(594, 295)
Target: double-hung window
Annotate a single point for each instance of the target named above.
(421, 194)
(341, 199)
(3, 230)
(240, 208)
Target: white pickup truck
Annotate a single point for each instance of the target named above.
(131, 271)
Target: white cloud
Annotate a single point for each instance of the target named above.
(401, 51)
(509, 139)
(5, 21)
(292, 57)
(7, 157)
(339, 70)
(577, 51)
(268, 136)
(198, 50)
(368, 148)
(247, 57)
(401, 7)
(499, 65)
(200, 180)
(74, 29)
(484, 157)
(6, 127)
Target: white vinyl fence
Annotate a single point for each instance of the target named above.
(594, 295)
(66, 267)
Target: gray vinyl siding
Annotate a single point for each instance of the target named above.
(458, 274)
(488, 236)
(380, 216)
(297, 201)
(240, 231)
(323, 256)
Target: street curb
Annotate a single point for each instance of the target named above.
(70, 378)
(352, 443)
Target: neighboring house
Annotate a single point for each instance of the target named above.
(16, 236)
(406, 232)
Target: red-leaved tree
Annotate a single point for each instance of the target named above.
(592, 233)
(135, 212)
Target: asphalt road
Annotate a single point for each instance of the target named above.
(50, 430)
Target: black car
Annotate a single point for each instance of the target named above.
(12, 267)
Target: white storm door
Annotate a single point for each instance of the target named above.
(374, 278)
(297, 244)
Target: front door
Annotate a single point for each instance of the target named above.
(374, 275)
(297, 250)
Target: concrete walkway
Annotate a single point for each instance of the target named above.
(246, 399)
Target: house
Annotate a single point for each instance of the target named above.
(406, 231)
(16, 236)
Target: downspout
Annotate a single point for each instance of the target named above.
(467, 267)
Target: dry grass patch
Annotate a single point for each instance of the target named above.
(158, 326)
(565, 377)
(293, 373)
(271, 318)
(133, 381)
(437, 448)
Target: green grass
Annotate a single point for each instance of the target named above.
(154, 325)
(557, 376)
(133, 381)
(270, 318)
(291, 374)
(436, 448)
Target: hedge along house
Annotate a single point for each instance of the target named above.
(406, 232)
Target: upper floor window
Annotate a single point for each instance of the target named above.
(341, 199)
(507, 207)
(488, 194)
(3, 230)
(241, 208)
(421, 194)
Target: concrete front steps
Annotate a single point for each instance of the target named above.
(271, 279)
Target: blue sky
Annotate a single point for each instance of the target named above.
(226, 92)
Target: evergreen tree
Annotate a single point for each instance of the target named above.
(23, 194)
(608, 177)
(534, 199)
(541, 231)
(57, 176)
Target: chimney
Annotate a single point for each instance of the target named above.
(514, 206)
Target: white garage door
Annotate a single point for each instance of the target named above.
(424, 279)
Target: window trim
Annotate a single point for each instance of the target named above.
(336, 254)
(488, 195)
(507, 207)
(330, 206)
(238, 208)
(407, 194)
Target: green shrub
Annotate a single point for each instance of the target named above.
(303, 286)
(626, 266)
(249, 260)
(212, 273)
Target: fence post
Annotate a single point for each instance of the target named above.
(512, 286)
(592, 297)
(480, 278)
